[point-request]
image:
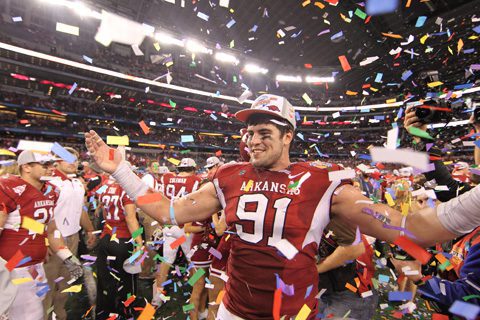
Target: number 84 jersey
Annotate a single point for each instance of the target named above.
(21, 200)
(275, 214)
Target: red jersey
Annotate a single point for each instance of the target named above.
(20, 199)
(266, 207)
(114, 200)
(177, 186)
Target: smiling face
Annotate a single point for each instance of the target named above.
(268, 147)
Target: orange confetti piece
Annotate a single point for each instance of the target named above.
(14, 261)
(392, 35)
(147, 313)
(409, 2)
(459, 46)
(178, 242)
(111, 154)
(351, 93)
(277, 304)
(220, 297)
(413, 249)
(144, 127)
(129, 301)
(319, 4)
(350, 287)
(344, 62)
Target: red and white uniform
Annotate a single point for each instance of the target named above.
(151, 181)
(266, 207)
(201, 244)
(20, 199)
(218, 268)
(114, 200)
(176, 187)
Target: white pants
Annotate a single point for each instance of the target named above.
(169, 236)
(27, 305)
(224, 314)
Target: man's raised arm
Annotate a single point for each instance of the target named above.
(196, 206)
(428, 226)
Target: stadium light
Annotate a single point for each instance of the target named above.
(253, 68)
(165, 38)
(78, 7)
(195, 47)
(225, 57)
(315, 79)
(285, 78)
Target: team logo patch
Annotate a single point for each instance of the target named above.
(20, 189)
(242, 172)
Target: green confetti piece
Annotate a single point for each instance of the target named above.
(172, 103)
(375, 283)
(359, 13)
(185, 151)
(473, 296)
(419, 133)
(196, 276)
(235, 79)
(137, 232)
(188, 307)
(293, 185)
(444, 265)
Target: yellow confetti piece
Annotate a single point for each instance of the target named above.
(21, 280)
(450, 50)
(434, 84)
(306, 3)
(389, 199)
(473, 38)
(220, 297)
(347, 20)
(249, 185)
(156, 46)
(377, 253)
(75, 289)
(33, 225)
(405, 207)
(392, 35)
(5, 152)
(118, 140)
(114, 237)
(424, 38)
(169, 64)
(304, 313)
(307, 98)
(447, 163)
(459, 46)
(373, 89)
(304, 119)
(173, 161)
(391, 100)
(319, 4)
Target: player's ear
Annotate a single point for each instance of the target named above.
(288, 137)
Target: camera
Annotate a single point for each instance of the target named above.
(436, 111)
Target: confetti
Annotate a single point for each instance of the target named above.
(63, 153)
(118, 140)
(33, 225)
(344, 62)
(66, 28)
(413, 249)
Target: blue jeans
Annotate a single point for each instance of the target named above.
(339, 303)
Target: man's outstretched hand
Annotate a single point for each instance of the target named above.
(105, 157)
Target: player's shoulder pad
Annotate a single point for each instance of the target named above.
(320, 165)
(231, 168)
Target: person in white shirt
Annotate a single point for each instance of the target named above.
(70, 217)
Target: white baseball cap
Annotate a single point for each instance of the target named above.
(187, 163)
(28, 156)
(163, 170)
(212, 161)
(269, 104)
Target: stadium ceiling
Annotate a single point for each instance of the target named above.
(301, 37)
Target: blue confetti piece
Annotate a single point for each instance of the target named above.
(463, 86)
(23, 261)
(464, 309)
(377, 7)
(74, 86)
(49, 189)
(300, 135)
(214, 117)
(400, 113)
(202, 16)
(134, 256)
(309, 290)
(174, 287)
(62, 153)
(477, 29)
(40, 293)
(337, 35)
(420, 21)
(102, 189)
(230, 23)
(297, 116)
(378, 77)
(383, 278)
(207, 280)
(434, 285)
(365, 157)
(406, 75)
(187, 138)
(400, 295)
(166, 283)
(253, 29)
(467, 51)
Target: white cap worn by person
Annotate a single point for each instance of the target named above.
(212, 161)
(269, 104)
(187, 163)
(163, 170)
(28, 156)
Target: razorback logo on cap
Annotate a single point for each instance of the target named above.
(265, 101)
